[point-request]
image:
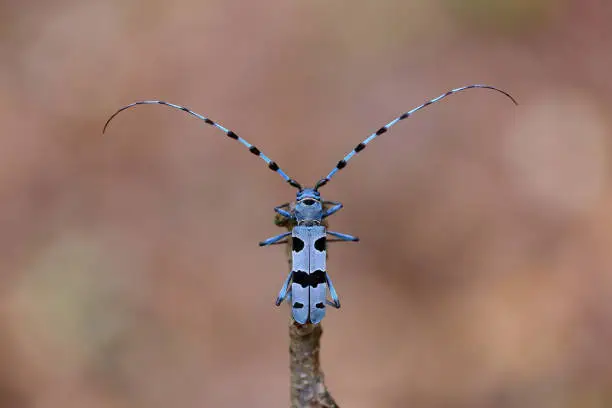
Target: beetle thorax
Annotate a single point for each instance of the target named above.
(308, 207)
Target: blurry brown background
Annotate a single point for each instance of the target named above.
(131, 275)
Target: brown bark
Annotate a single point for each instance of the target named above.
(308, 388)
(307, 379)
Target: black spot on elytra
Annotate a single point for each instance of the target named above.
(232, 135)
(273, 166)
(298, 305)
(210, 122)
(254, 150)
(320, 305)
(305, 279)
(427, 103)
(301, 278)
(404, 116)
(298, 244)
(317, 277)
(359, 147)
(341, 164)
(184, 109)
(381, 131)
(320, 244)
(162, 102)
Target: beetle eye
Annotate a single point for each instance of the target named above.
(309, 201)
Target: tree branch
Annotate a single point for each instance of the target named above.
(308, 388)
(307, 379)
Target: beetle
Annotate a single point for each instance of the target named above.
(307, 283)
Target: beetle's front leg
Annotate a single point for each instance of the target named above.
(284, 213)
(336, 207)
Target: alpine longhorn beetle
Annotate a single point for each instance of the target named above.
(307, 283)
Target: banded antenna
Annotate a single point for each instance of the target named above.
(342, 163)
(271, 164)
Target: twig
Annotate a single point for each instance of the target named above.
(307, 380)
(308, 388)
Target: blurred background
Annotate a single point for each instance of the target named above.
(130, 271)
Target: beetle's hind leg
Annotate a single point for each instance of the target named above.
(285, 292)
(332, 291)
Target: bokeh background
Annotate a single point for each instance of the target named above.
(130, 271)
